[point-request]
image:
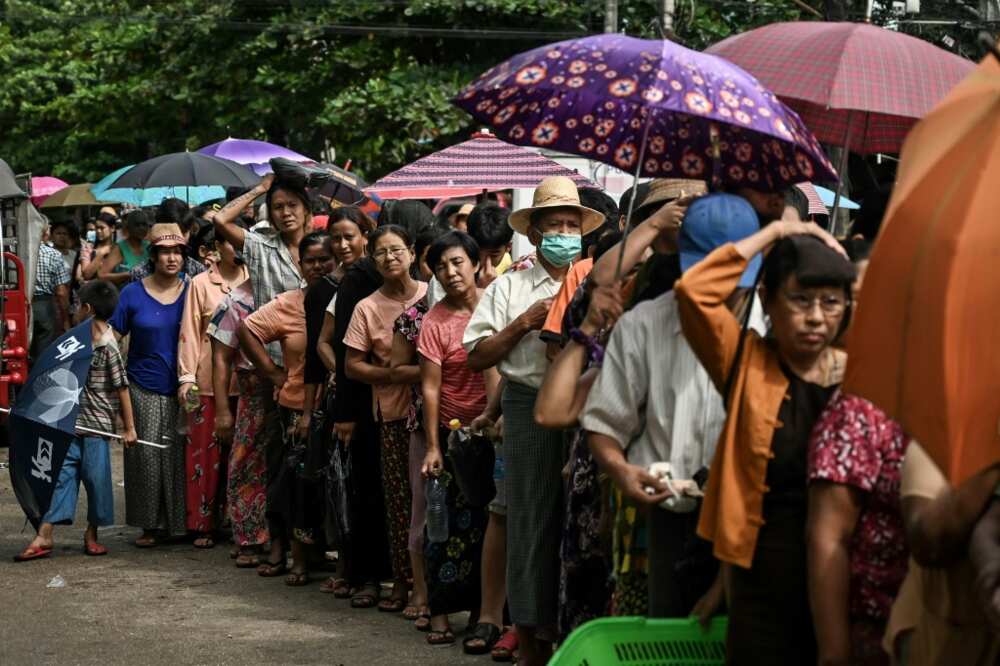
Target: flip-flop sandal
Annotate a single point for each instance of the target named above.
(272, 569)
(297, 579)
(367, 597)
(505, 647)
(30, 553)
(423, 623)
(145, 542)
(446, 637)
(247, 561)
(489, 634)
(332, 585)
(94, 549)
(411, 612)
(391, 605)
(204, 542)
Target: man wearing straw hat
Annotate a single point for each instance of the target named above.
(504, 332)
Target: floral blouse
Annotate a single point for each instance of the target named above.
(409, 324)
(854, 443)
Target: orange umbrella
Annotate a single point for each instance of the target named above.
(924, 342)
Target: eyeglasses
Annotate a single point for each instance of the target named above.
(829, 304)
(383, 255)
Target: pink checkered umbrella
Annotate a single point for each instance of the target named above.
(484, 162)
(853, 84)
(851, 80)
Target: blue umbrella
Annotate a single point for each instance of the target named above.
(99, 189)
(193, 177)
(827, 196)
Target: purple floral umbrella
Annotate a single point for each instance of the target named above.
(252, 153)
(622, 100)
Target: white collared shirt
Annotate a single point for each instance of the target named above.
(652, 395)
(505, 299)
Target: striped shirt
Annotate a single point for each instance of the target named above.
(99, 402)
(652, 395)
(272, 272)
(51, 271)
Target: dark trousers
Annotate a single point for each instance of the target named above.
(681, 566)
(43, 324)
(369, 542)
(272, 436)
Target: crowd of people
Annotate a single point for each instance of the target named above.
(662, 411)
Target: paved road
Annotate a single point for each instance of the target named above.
(177, 605)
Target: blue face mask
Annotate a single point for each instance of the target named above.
(91, 236)
(560, 249)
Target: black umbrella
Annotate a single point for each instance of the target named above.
(330, 181)
(186, 170)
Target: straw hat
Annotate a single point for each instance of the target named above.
(556, 192)
(166, 235)
(662, 190)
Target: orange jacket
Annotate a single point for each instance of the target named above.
(731, 515)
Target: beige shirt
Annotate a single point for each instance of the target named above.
(503, 301)
(652, 394)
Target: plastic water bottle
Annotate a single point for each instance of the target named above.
(437, 511)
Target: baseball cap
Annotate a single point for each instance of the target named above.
(712, 221)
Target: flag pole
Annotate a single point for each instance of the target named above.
(89, 431)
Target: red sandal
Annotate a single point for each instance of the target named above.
(31, 553)
(94, 549)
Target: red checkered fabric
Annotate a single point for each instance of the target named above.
(484, 162)
(879, 80)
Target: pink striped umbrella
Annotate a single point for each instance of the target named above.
(816, 206)
(42, 187)
(484, 162)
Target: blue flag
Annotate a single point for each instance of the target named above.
(43, 419)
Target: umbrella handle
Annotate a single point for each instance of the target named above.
(635, 189)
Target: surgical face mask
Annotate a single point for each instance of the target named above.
(560, 249)
(91, 236)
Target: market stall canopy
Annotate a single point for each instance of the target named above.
(484, 162)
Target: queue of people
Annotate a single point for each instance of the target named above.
(668, 433)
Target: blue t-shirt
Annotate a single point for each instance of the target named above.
(154, 329)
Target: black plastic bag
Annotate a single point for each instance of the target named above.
(338, 491)
(472, 460)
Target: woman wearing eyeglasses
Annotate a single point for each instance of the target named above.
(775, 387)
(369, 355)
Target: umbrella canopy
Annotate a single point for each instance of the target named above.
(834, 75)
(252, 153)
(343, 186)
(74, 195)
(193, 177)
(922, 341)
(821, 199)
(44, 186)
(484, 162)
(43, 420)
(622, 101)
(99, 188)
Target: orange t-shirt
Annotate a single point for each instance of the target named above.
(370, 331)
(552, 330)
(284, 320)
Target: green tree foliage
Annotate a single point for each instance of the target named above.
(90, 85)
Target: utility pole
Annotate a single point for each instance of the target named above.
(610, 15)
(668, 17)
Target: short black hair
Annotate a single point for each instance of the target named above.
(600, 201)
(107, 219)
(488, 226)
(449, 240)
(385, 230)
(426, 237)
(811, 262)
(639, 193)
(137, 218)
(311, 239)
(352, 214)
(101, 296)
(172, 211)
(857, 249)
(410, 214)
(234, 192)
(606, 241)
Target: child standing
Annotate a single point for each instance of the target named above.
(87, 459)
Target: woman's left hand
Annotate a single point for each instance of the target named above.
(433, 463)
(605, 309)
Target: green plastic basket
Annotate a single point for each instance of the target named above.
(639, 641)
